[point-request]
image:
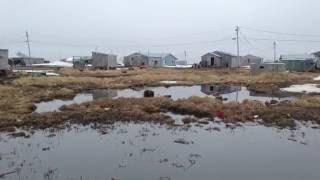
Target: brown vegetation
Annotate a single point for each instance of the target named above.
(18, 97)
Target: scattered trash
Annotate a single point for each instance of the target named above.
(148, 93)
(220, 114)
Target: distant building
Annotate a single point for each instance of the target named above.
(258, 68)
(317, 55)
(221, 59)
(104, 61)
(248, 59)
(26, 61)
(4, 61)
(299, 62)
(150, 59)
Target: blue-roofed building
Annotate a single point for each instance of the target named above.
(299, 62)
(150, 59)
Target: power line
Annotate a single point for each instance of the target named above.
(281, 33)
(156, 45)
(285, 40)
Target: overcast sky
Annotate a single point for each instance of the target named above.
(65, 28)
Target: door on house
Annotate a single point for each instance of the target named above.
(212, 61)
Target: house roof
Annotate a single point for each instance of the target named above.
(157, 55)
(296, 57)
(252, 56)
(224, 53)
(213, 53)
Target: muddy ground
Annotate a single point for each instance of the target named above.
(18, 96)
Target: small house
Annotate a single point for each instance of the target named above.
(249, 59)
(150, 59)
(4, 61)
(258, 68)
(220, 59)
(299, 62)
(317, 55)
(104, 61)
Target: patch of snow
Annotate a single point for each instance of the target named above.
(179, 66)
(52, 74)
(304, 88)
(246, 67)
(317, 78)
(168, 82)
(32, 71)
(54, 64)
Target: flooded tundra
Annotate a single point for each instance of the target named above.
(226, 92)
(152, 151)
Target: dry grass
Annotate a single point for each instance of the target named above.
(17, 98)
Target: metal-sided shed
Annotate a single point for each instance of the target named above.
(4, 59)
(299, 62)
(248, 59)
(104, 61)
(258, 68)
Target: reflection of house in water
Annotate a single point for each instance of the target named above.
(96, 94)
(276, 94)
(219, 89)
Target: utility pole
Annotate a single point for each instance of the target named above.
(274, 51)
(29, 50)
(28, 43)
(238, 47)
(185, 55)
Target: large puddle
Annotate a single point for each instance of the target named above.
(229, 93)
(149, 151)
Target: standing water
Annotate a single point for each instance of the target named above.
(151, 151)
(229, 93)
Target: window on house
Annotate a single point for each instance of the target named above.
(211, 88)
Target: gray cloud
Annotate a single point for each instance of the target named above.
(63, 28)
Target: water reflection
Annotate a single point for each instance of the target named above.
(229, 93)
(150, 151)
(216, 90)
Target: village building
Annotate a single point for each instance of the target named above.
(266, 67)
(4, 61)
(317, 55)
(104, 61)
(299, 62)
(219, 59)
(150, 59)
(248, 59)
